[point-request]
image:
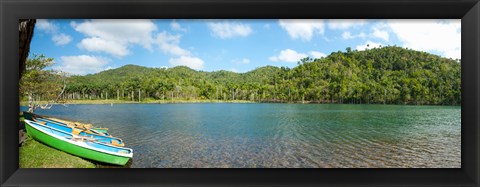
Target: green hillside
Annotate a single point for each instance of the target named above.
(391, 75)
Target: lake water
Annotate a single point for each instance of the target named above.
(279, 135)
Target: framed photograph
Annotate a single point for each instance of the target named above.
(240, 93)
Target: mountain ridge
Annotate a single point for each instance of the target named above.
(388, 74)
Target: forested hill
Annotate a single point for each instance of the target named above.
(391, 75)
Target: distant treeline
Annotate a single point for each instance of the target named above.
(390, 75)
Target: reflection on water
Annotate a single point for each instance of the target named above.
(279, 135)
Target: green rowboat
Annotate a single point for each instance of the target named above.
(78, 145)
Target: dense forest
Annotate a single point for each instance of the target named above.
(387, 75)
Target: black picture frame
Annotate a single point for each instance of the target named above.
(13, 10)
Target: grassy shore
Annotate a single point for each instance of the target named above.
(33, 154)
(98, 101)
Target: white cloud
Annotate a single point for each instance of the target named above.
(288, 55)
(443, 36)
(61, 39)
(342, 24)
(46, 26)
(317, 54)
(302, 29)
(119, 32)
(225, 30)
(453, 53)
(380, 34)
(192, 62)
(347, 35)
(241, 61)
(50, 27)
(82, 64)
(96, 44)
(368, 45)
(177, 27)
(381, 31)
(170, 44)
(292, 56)
(361, 35)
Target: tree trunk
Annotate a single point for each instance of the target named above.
(25, 28)
(31, 105)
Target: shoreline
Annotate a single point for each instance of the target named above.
(75, 102)
(183, 101)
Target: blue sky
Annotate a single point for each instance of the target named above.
(90, 46)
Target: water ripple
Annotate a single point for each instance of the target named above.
(279, 135)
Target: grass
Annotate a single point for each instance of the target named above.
(33, 154)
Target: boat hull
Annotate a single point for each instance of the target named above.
(75, 149)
